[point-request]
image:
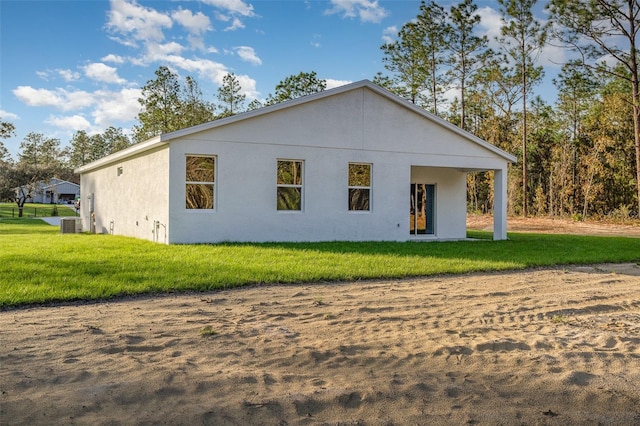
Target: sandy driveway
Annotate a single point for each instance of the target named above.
(557, 346)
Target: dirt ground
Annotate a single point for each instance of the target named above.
(543, 347)
(556, 226)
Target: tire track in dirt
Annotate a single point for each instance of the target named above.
(555, 346)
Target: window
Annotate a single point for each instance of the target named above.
(289, 185)
(359, 187)
(119, 171)
(200, 182)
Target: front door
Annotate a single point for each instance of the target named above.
(421, 214)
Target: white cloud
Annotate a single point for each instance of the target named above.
(116, 59)
(5, 115)
(234, 6)
(553, 56)
(74, 122)
(316, 41)
(77, 99)
(222, 17)
(212, 71)
(206, 68)
(332, 84)
(107, 107)
(196, 42)
(58, 98)
(142, 23)
(490, 24)
(248, 86)
(194, 24)
(44, 75)
(231, 11)
(236, 24)
(69, 75)
(157, 51)
(124, 42)
(116, 106)
(389, 34)
(247, 54)
(103, 73)
(366, 10)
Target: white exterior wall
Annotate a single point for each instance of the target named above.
(131, 203)
(246, 207)
(403, 144)
(357, 126)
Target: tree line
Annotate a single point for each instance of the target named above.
(41, 158)
(579, 156)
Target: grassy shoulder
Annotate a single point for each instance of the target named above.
(38, 264)
(10, 210)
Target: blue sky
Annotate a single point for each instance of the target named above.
(80, 64)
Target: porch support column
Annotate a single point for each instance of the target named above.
(500, 204)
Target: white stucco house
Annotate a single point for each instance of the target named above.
(52, 192)
(352, 163)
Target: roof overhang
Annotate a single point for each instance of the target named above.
(130, 151)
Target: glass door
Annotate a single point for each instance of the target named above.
(421, 213)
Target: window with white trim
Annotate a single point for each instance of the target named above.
(200, 182)
(289, 185)
(359, 187)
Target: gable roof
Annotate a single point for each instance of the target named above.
(56, 182)
(165, 138)
(53, 182)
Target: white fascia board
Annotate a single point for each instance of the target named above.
(123, 154)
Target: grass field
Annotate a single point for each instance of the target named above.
(38, 264)
(35, 210)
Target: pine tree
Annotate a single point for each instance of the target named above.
(466, 50)
(160, 103)
(231, 100)
(522, 40)
(596, 29)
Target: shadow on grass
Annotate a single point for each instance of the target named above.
(523, 249)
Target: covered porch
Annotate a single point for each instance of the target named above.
(438, 203)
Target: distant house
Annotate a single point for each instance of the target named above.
(353, 163)
(55, 191)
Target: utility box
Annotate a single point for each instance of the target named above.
(70, 225)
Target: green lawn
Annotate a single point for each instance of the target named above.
(36, 210)
(38, 264)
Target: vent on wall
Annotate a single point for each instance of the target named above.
(69, 225)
